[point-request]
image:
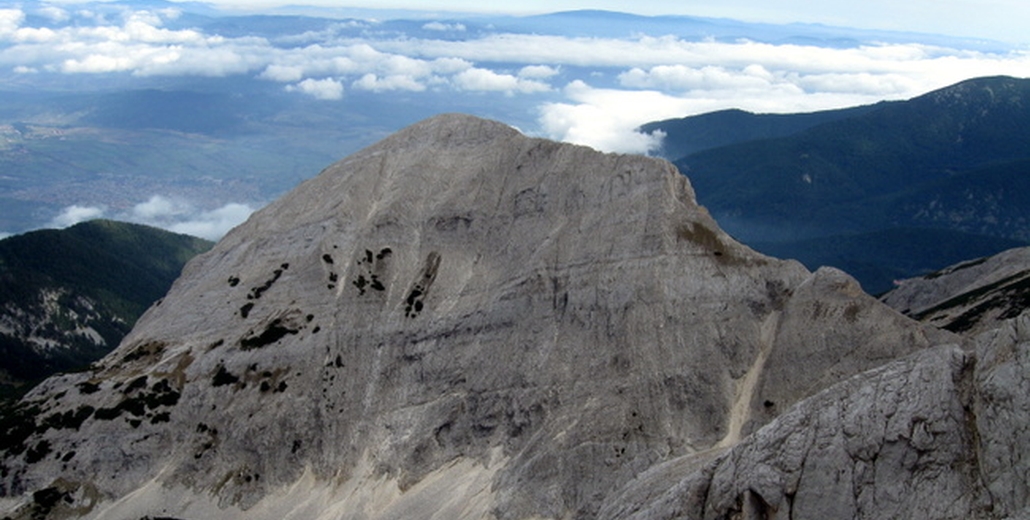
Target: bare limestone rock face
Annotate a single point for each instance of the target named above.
(1002, 411)
(463, 322)
(970, 297)
(939, 434)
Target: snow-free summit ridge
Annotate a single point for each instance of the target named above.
(457, 322)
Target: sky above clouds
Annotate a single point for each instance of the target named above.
(591, 89)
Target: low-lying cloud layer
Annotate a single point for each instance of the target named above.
(589, 90)
(175, 215)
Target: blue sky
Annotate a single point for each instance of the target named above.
(990, 19)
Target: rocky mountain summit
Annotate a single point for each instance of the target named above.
(464, 322)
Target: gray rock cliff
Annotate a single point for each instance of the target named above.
(941, 433)
(464, 322)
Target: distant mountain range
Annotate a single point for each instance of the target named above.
(842, 186)
(67, 297)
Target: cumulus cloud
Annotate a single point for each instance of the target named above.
(645, 77)
(214, 224)
(158, 208)
(450, 65)
(388, 71)
(685, 78)
(54, 13)
(283, 73)
(759, 78)
(169, 213)
(138, 44)
(674, 61)
(537, 71)
(180, 216)
(136, 41)
(10, 20)
(444, 27)
(488, 80)
(606, 119)
(395, 82)
(74, 214)
(327, 89)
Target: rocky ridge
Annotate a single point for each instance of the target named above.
(464, 322)
(969, 297)
(937, 434)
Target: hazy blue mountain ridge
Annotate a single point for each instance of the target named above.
(895, 148)
(954, 162)
(688, 135)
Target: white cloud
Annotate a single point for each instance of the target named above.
(180, 216)
(395, 82)
(138, 43)
(403, 65)
(759, 78)
(167, 213)
(327, 89)
(684, 78)
(158, 208)
(374, 70)
(444, 27)
(10, 20)
(34, 35)
(655, 77)
(283, 73)
(170, 13)
(74, 214)
(606, 119)
(450, 65)
(537, 71)
(488, 80)
(213, 225)
(54, 13)
(4, 234)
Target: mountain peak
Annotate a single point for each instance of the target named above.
(459, 319)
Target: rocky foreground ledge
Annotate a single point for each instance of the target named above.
(464, 322)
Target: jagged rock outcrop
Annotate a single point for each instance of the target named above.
(457, 322)
(941, 433)
(969, 297)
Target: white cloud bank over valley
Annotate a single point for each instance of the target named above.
(588, 90)
(168, 213)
